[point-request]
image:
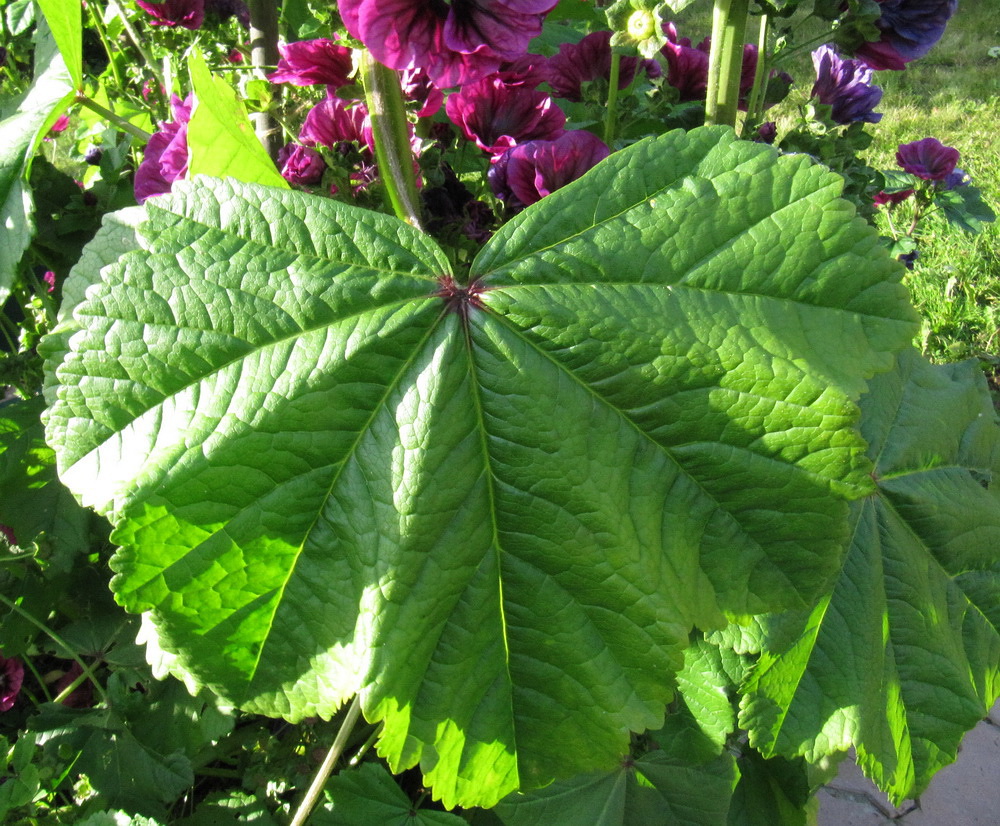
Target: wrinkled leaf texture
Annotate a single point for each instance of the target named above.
(495, 515)
(904, 656)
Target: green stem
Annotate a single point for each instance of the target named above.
(118, 121)
(611, 115)
(367, 745)
(725, 63)
(154, 70)
(102, 32)
(755, 106)
(87, 672)
(264, 53)
(323, 773)
(392, 139)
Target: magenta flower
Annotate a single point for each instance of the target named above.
(334, 120)
(165, 157)
(528, 172)
(497, 116)
(910, 28)
(300, 164)
(579, 63)
(928, 159)
(845, 86)
(890, 199)
(454, 43)
(687, 66)
(11, 678)
(310, 62)
(417, 86)
(188, 14)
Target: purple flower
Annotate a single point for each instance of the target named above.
(909, 29)
(309, 62)
(688, 66)
(497, 116)
(454, 43)
(189, 14)
(890, 199)
(956, 178)
(417, 86)
(528, 172)
(11, 677)
(928, 159)
(845, 86)
(165, 158)
(767, 132)
(300, 164)
(334, 120)
(579, 63)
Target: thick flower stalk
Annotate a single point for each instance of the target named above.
(846, 87)
(454, 43)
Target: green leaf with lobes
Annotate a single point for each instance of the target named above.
(904, 656)
(492, 508)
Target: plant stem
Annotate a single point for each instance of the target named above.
(87, 672)
(392, 139)
(725, 63)
(163, 90)
(118, 121)
(323, 773)
(264, 53)
(611, 115)
(95, 18)
(755, 106)
(367, 745)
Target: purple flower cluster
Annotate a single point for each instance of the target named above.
(190, 14)
(165, 158)
(909, 28)
(845, 86)
(579, 63)
(454, 43)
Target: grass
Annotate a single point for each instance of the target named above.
(952, 94)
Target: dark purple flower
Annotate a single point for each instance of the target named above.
(189, 14)
(928, 159)
(846, 87)
(530, 171)
(496, 115)
(224, 9)
(300, 164)
(310, 62)
(687, 66)
(890, 199)
(11, 677)
(908, 259)
(165, 157)
(767, 132)
(910, 28)
(8, 533)
(454, 43)
(579, 63)
(956, 178)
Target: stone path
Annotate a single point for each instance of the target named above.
(966, 793)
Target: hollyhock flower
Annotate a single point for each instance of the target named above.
(909, 29)
(189, 14)
(496, 116)
(454, 43)
(528, 172)
(165, 157)
(928, 159)
(687, 66)
(959, 177)
(11, 677)
(579, 63)
(49, 278)
(846, 86)
(309, 62)
(767, 132)
(417, 86)
(890, 199)
(334, 120)
(60, 125)
(300, 164)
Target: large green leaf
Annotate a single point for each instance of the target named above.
(495, 511)
(904, 657)
(49, 95)
(66, 24)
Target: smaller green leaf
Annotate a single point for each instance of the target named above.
(771, 792)
(19, 16)
(368, 794)
(703, 683)
(221, 139)
(65, 21)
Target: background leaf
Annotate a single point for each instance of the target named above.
(221, 139)
(494, 511)
(66, 24)
(903, 658)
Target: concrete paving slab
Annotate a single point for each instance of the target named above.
(842, 808)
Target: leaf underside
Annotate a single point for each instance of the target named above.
(904, 657)
(493, 510)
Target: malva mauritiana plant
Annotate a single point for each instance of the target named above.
(586, 458)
